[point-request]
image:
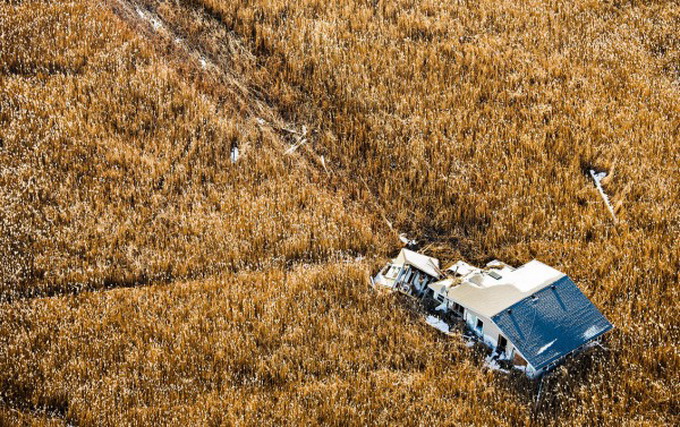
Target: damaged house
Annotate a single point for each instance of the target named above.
(532, 316)
(410, 272)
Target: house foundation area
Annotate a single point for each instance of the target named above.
(532, 317)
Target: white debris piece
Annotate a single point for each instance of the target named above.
(545, 347)
(296, 146)
(491, 363)
(438, 323)
(203, 62)
(291, 149)
(597, 178)
(462, 268)
(405, 240)
(522, 368)
(323, 163)
(155, 22)
(234, 154)
(595, 343)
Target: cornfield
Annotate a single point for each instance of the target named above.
(148, 275)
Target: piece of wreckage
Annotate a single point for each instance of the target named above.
(532, 317)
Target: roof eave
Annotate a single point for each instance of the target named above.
(576, 350)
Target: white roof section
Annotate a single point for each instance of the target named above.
(487, 295)
(379, 279)
(441, 286)
(534, 275)
(422, 262)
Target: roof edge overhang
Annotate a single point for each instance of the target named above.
(419, 269)
(556, 359)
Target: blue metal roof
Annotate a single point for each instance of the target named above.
(551, 323)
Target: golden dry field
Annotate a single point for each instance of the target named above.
(148, 279)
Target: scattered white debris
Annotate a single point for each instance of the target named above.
(234, 154)
(470, 343)
(595, 343)
(155, 23)
(301, 139)
(442, 307)
(260, 121)
(491, 363)
(405, 240)
(545, 347)
(296, 146)
(147, 16)
(597, 178)
(462, 268)
(503, 357)
(438, 323)
(178, 40)
(521, 368)
(203, 62)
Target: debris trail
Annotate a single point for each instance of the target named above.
(155, 22)
(301, 139)
(296, 146)
(377, 205)
(597, 178)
